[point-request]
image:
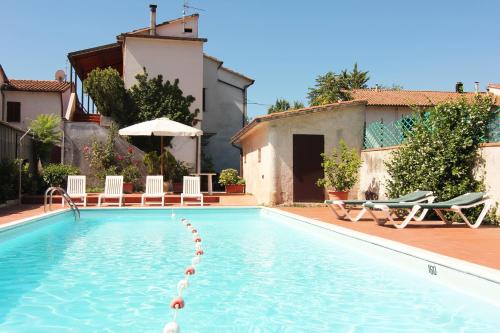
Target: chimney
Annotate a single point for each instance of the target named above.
(476, 87)
(152, 20)
(459, 87)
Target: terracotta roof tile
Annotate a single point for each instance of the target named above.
(411, 97)
(494, 85)
(38, 85)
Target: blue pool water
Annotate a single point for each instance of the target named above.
(117, 270)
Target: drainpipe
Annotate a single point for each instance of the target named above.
(20, 162)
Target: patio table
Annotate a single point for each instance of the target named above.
(209, 176)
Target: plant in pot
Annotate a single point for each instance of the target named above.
(232, 181)
(130, 175)
(341, 171)
(180, 170)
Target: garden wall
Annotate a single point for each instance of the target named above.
(373, 173)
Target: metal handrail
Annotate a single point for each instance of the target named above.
(64, 196)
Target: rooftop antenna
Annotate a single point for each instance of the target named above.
(185, 8)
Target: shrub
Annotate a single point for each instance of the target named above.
(230, 177)
(341, 168)
(57, 174)
(180, 170)
(442, 154)
(9, 180)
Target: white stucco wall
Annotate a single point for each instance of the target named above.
(257, 174)
(494, 91)
(177, 28)
(181, 60)
(223, 116)
(386, 114)
(271, 180)
(374, 173)
(33, 104)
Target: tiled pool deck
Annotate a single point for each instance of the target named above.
(480, 246)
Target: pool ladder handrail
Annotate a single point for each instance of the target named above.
(64, 196)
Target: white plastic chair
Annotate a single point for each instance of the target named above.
(76, 189)
(154, 189)
(191, 189)
(113, 188)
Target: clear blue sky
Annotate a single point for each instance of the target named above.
(282, 44)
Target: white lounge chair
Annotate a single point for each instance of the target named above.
(154, 189)
(342, 208)
(76, 189)
(113, 189)
(191, 189)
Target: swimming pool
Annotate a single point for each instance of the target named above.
(116, 270)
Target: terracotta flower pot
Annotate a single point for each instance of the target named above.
(338, 195)
(235, 188)
(128, 187)
(177, 187)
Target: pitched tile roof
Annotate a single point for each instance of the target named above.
(411, 97)
(38, 85)
(494, 85)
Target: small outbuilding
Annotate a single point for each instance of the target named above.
(281, 152)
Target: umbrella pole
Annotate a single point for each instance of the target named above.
(161, 155)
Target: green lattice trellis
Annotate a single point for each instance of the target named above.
(379, 135)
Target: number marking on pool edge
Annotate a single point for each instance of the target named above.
(432, 269)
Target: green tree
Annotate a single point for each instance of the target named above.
(107, 89)
(46, 132)
(332, 87)
(282, 104)
(442, 152)
(154, 99)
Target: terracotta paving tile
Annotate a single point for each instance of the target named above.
(480, 246)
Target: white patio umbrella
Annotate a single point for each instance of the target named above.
(160, 127)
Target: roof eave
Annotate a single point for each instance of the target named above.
(293, 113)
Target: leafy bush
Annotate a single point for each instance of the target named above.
(104, 161)
(341, 168)
(57, 174)
(9, 180)
(230, 177)
(180, 170)
(442, 154)
(112, 99)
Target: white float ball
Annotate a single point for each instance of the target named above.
(183, 284)
(195, 261)
(171, 327)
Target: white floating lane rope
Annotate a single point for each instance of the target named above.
(177, 302)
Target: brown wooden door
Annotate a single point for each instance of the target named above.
(307, 150)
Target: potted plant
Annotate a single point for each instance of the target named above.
(180, 170)
(130, 175)
(341, 171)
(232, 181)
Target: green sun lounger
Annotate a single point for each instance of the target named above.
(456, 205)
(345, 206)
